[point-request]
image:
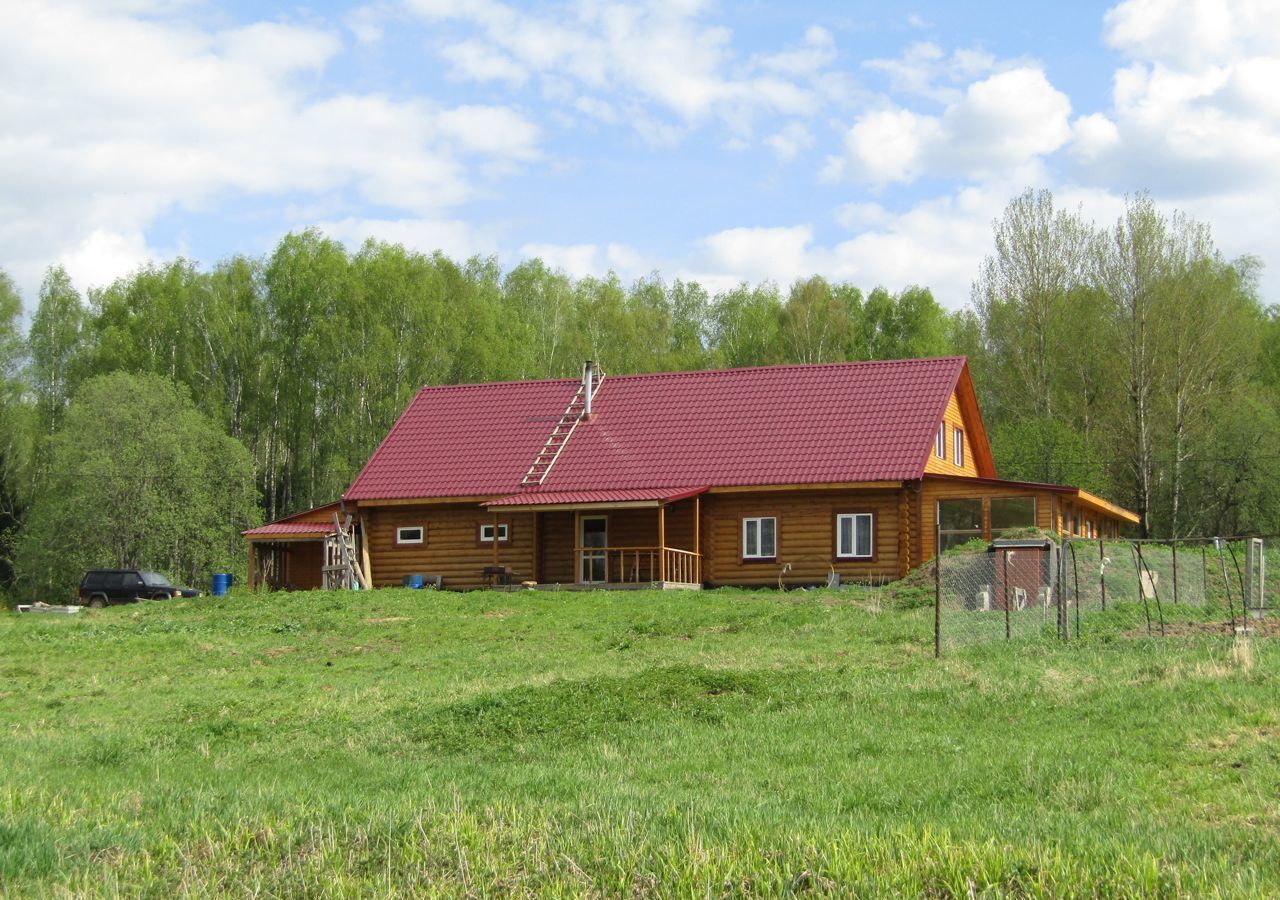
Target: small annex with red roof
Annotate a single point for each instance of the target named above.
(290, 553)
(730, 477)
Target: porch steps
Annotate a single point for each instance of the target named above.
(559, 436)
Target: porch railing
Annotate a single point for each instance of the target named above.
(624, 565)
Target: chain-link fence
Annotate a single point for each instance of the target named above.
(1007, 590)
(1096, 588)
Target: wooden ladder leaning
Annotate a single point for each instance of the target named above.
(560, 435)
(344, 572)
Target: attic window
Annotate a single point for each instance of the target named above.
(940, 441)
(957, 447)
(410, 534)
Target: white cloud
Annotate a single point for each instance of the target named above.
(937, 243)
(787, 143)
(926, 70)
(453, 237)
(590, 260)
(477, 61)
(103, 256)
(1180, 32)
(658, 61)
(1092, 136)
(99, 144)
(368, 23)
(816, 53)
(1195, 113)
(1000, 123)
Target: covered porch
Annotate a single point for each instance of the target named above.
(301, 552)
(615, 539)
(284, 561)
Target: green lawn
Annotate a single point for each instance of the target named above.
(641, 743)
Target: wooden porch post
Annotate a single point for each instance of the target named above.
(662, 542)
(697, 537)
(364, 551)
(252, 560)
(537, 551)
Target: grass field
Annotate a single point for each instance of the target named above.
(721, 743)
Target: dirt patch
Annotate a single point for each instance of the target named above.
(498, 613)
(385, 619)
(280, 651)
(1247, 737)
(1269, 627)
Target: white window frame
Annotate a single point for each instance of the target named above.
(759, 521)
(401, 539)
(940, 441)
(871, 536)
(504, 533)
(957, 447)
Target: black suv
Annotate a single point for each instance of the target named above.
(105, 586)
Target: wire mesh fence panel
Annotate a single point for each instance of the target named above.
(1105, 588)
(1164, 587)
(998, 594)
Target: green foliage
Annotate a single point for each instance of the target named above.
(56, 347)
(137, 478)
(1110, 359)
(1047, 451)
(641, 743)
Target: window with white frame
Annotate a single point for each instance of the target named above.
(486, 533)
(410, 534)
(957, 447)
(760, 537)
(940, 441)
(855, 536)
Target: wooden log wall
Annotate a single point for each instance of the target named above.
(451, 544)
(806, 536)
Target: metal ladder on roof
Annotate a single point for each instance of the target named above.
(560, 435)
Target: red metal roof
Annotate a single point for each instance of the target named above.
(837, 422)
(293, 529)
(564, 498)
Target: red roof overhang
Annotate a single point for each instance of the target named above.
(625, 497)
(290, 530)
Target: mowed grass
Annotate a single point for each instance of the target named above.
(610, 744)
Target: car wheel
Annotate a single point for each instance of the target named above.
(97, 602)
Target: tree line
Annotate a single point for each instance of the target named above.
(1134, 361)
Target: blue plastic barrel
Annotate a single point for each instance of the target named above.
(414, 582)
(221, 584)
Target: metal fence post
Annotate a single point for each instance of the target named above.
(1102, 571)
(1204, 572)
(937, 591)
(1155, 589)
(1062, 592)
(1005, 555)
(1175, 572)
(1075, 579)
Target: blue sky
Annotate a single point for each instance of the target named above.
(868, 142)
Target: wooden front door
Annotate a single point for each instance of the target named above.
(592, 568)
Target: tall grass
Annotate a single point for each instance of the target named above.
(651, 744)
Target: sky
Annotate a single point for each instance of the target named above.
(873, 143)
